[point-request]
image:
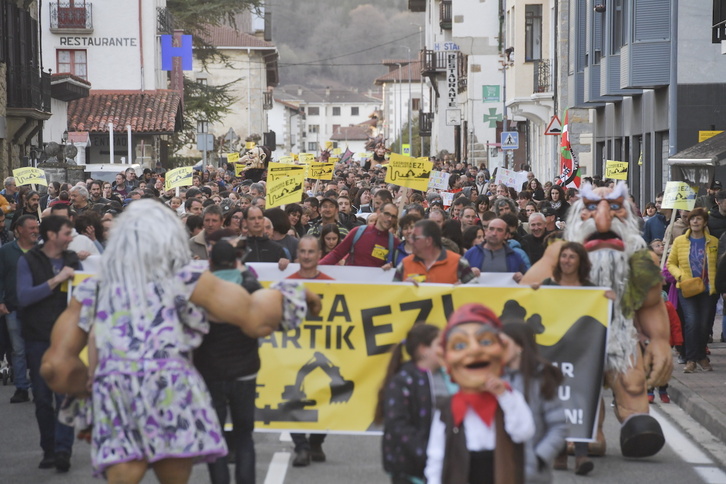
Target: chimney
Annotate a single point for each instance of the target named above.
(327, 91)
(299, 91)
(177, 75)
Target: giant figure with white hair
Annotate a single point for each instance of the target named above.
(638, 349)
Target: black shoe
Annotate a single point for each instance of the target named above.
(62, 461)
(48, 461)
(302, 458)
(316, 453)
(21, 396)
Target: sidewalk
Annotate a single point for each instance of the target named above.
(703, 394)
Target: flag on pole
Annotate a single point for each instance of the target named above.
(347, 156)
(569, 166)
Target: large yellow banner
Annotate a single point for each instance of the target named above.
(29, 175)
(325, 375)
(409, 172)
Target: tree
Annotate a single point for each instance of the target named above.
(415, 141)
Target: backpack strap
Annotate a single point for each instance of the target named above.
(391, 248)
(358, 234)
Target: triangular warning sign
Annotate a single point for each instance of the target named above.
(555, 126)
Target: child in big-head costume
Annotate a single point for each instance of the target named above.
(476, 434)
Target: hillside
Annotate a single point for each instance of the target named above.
(315, 38)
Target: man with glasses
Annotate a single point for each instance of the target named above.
(369, 245)
(429, 261)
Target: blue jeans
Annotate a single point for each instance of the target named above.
(20, 365)
(239, 397)
(698, 314)
(54, 436)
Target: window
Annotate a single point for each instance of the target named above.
(415, 104)
(619, 36)
(313, 111)
(354, 111)
(312, 146)
(532, 32)
(313, 128)
(336, 111)
(336, 128)
(72, 62)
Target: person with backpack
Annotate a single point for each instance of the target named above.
(369, 245)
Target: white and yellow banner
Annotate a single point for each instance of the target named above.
(29, 176)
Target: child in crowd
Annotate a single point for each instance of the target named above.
(406, 403)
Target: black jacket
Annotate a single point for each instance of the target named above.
(38, 318)
(262, 249)
(716, 223)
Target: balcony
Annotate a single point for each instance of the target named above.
(267, 101)
(434, 62)
(164, 21)
(542, 76)
(445, 14)
(417, 5)
(70, 17)
(28, 89)
(425, 123)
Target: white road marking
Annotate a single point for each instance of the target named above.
(285, 437)
(711, 475)
(278, 468)
(680, 442)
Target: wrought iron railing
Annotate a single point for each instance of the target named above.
(267, 101)
(542, 75)
(164, 21)
(445, 15)
(417, 5)
(28, 87)
(425, 123)
(66, 15)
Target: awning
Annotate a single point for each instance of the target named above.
(711, 152)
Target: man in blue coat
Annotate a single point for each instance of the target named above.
(495, 255)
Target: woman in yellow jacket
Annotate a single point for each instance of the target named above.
(694, 254)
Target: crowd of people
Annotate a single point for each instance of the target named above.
(354, 219)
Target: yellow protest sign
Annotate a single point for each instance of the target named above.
(29, 175)
(239, 168)
(333, 159)
(232, 157)
(328, 145)
(409, 172)
(305, 158)
(286, 159)
(277, 171)
(617, 170)
(179, 177)
(337, 151)
(351, 339)
(321, 171)
(679, 195)
(287, 189)
(250, 144)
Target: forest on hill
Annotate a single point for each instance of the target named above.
(340, 43)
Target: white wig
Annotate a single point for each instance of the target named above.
(148, 244)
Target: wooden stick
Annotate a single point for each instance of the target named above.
(667, 241)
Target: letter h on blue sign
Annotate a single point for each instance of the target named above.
(168, 52)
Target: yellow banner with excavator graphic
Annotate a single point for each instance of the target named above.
(325, 375)
(409, 172)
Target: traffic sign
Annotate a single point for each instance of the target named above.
(406, 149)
(510, 140)
(555, 127)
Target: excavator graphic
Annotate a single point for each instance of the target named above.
(295, 400)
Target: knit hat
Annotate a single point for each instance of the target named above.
(470, 313)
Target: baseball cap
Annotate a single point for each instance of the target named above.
(471, 313)
(330, 200)
(436, 202)
(548, 211)
(716, 185)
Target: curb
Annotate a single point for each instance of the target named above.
(706, 414)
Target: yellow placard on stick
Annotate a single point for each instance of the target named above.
(250, 144)
(232, 157)
(321, 171)
(179, 177)
(679, 195)
(617, 170)
(29, 175)
(286, 159)
(409, 172)
(306, 158)
(278, 171)
(288, 189)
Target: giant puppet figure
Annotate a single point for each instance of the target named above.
(638, 350)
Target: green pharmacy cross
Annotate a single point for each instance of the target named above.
(492, 117)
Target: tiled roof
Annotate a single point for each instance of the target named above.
(146, 112)
(351, 133)
(316, 95)
(224, 36)
(413, 69)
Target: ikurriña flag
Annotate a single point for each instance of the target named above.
(569, 166)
